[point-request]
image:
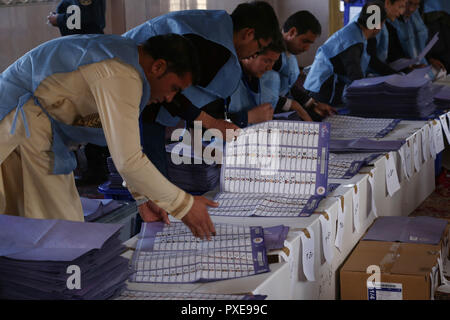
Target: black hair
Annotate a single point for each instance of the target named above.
(303, 21)
(179, 53)
(364, 16)
(258, 15)
(277, 45)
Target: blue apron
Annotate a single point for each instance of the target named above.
(245, 99)
(288, 72)
(383, 43)
(20, 80)
(413, 35)
(322, 68)
(213, 25)
(436, 5)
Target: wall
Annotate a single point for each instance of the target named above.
(23, 27)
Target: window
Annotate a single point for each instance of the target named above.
(176, 5)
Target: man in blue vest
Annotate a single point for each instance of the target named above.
(91, 158)
(299, 32)
(343, 57)
(437, 18)
(222, 40)
(413, 33)
(92, 17)
(59, 95)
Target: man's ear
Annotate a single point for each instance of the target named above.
(292, 33)
(158, 67)
(247, 34)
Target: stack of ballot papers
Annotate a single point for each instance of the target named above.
(357, 134)
(347, 165)
(171, 254)
(396, 96)
(193, 174)
(94, 209)
(57, 259)
(442, 97)
(274, 169)
(147, 295)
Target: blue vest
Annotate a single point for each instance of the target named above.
(245, 99)
(20, 80)
(436, 5)
(322, 68)
(413, 34)
(213, 25)
(288, 72)
(383, 43)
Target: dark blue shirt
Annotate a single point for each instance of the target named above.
(92, 16)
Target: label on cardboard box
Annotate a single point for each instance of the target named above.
(385, 291)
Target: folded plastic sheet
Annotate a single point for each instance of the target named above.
(94, 209)
(35, 256)
(396, 96)
(424, 230)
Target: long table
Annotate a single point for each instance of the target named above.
(286, 280)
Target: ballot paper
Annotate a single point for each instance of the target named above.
(347, 165)
(147, 295)
(276, 168)
(396, 96)
(403, 63)
(425, 230)
(171, 254)
(38, 258)
(94, 209)
(347, 127)
(442, 97)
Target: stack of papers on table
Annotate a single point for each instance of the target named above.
(396, 96)
(193, 174)
(171, 254)
(94, 209)
(57, 259)
(274, 169)
(347, 165)
(442, 97)
(147, 295)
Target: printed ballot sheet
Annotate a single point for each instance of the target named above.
(147, 295)
(347, 127)
(171, 254)
(347, 165)
(275, 169)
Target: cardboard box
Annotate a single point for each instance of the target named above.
(404, 271)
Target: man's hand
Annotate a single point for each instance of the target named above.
(261, 113)
(438, 65)
(209, 122)
(198, 220)
(324, 110)
(52, 19)
(295, 106)
(150, 212)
